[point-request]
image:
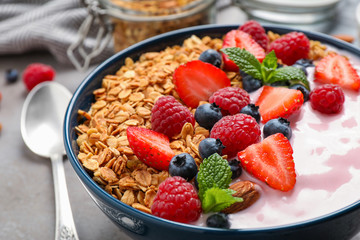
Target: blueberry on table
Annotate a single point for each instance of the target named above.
(183, 165)
(209, 146)
(12, 75)
(303, 89)
(206, 115)
(277, 125)
(218, 220)
(211, 56)
(252, 110)
(235, 168)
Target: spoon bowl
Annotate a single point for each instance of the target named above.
(42, 120)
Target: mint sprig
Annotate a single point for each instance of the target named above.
(266, 71)
(216, 199)
(214, 171)
(214, 177)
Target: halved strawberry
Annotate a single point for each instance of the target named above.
(337, 69)
(271, 161)
(150, 147)
(238, 38)
(277, 102)
(196, 81)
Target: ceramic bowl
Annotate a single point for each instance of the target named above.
(342, 224)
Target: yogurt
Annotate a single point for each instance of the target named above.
(327, 164)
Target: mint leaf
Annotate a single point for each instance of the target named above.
(245, 61)
(266, 71)
(215, 172)
(216, 199)
(292, 74)
(268, 66)
(270, 61)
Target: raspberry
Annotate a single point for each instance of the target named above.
(230, 99)
(327, 98)
(236, 132)
(168, 116)
(291, 47)
(257, 32)
(36, 73)
(177, 200)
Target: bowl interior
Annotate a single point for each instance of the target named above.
(83, 98)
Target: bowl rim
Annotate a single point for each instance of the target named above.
(102, 194)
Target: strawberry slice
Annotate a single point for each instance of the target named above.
(277, 102)
(337, 70)
(238, 38)
(271, 161)
(150, 147)
(196, 81)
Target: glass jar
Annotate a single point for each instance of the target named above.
(136, 20)
(130, 21)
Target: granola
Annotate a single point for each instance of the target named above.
(148, 18)
(126, 99)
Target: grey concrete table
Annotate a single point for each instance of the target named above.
(27, 209)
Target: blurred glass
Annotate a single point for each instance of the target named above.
(304, 14)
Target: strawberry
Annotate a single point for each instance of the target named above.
(238, 38)
(150, 147)
(271, 161)
(196, 81)
(337, 70)
(275, 102)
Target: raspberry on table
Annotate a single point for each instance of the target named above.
(168, 116)
(327, 98)
(230, 99)
(291, 47)
(236, 132)
(177, 200)
(36, 73)
(257, 32)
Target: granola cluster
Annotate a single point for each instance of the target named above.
(126, 99)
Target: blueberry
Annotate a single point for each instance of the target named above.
(211, 56)
(209, 146)
(12, 75)
(235, 168)
(207, 115)
(218, 220)
(279, 65)
(303, 89)
(252, 110)
(196, 183)
(183, 165)
(278, 125)
(251, 84)
(303, 64)
(280, 84)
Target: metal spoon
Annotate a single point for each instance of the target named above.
(42, 119)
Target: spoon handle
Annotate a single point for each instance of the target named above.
(65, 227)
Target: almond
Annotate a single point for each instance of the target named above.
(247, 191)
(344, 37)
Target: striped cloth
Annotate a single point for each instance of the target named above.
(52, 25)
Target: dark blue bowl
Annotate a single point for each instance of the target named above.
(342, 224)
